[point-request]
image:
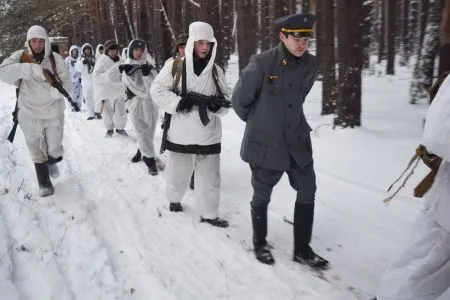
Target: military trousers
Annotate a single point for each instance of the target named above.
(44, 137)
(207, 180)
(301, 179)
(114, 113)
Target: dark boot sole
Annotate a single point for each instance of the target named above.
(319, 266)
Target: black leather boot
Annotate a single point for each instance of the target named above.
(137, 157)
(151, 165)
(259, 222)
(303, 224)
(43, 177)
(191, 184)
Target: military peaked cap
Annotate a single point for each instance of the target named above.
(298, 25)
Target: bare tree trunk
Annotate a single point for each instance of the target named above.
(266, 28)
(423, 70)
(390, 14)
(350, 64)
(405, 50)
(326, 48)
(246, 42)
(227, 28)
(292, 6)
(423, 19)
(382, 31)
(368, 13)
(305, 6)
(124, 21)
(444, 53)
(279, 10)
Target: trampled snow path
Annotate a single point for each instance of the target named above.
(107, 232)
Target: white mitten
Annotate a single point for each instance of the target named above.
(37, 72)
(55, 94)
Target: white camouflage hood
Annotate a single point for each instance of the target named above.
(136, 82)
(38, 32)
(73, 47)
(200, 31)
(86, 45)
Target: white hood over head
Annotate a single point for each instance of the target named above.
(200, 31)
(38, 32)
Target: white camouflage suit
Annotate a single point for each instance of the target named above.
(142, 109)
(75, 77)
(422, 272)
(110, 89)
(86, 71)
(187, 131)
(41, 107)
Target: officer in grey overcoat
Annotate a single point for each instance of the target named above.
(269, 97)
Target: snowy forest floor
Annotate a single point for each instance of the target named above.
(107, 232)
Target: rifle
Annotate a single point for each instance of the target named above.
(165, 126)
(213, 103)
(51, 78)
(15, 113)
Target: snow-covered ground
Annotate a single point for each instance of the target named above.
(107, 232)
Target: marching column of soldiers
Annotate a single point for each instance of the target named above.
(193, 93)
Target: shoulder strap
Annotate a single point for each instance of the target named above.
(53, 62)
(216, 80)
(184, 79)
(176, 61)
(177, 68)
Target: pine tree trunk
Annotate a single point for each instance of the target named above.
(167, 32)
(423, 70)
(123, 21)
(368, 12)
(246, 42)
(382, 31)
(390, 14)
(306, 6)
(405, 51)
(292, 6)
(266, 28)
(348, 104)
(444, 53)
(413, 30)
(227, 27)
(279, 10)
(326, 48)
(423, 19)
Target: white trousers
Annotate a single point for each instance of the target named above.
(114, 113)
(423, 270)
(144, 116)
(76, 93)
(43, 137)
(88, 95)
(207, 180)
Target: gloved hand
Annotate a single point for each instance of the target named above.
(186, 103)
(75, 106)
(79, 80)
(126, 67)
(55, 94)
(85, 61)
(146, 68)
(212, 106)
